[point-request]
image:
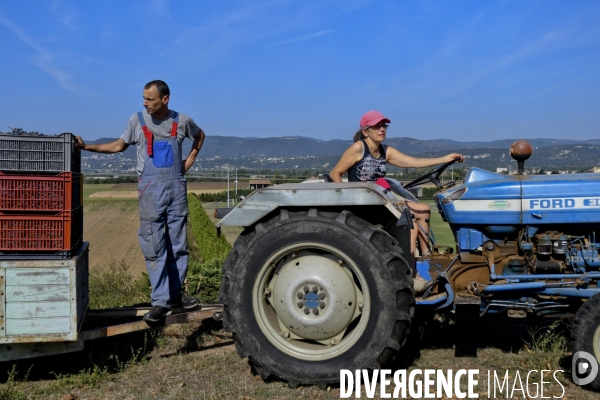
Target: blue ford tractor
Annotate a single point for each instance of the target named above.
(320, 278)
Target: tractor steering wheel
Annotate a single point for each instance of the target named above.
(432, 176)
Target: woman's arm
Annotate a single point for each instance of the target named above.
(350, 157)
(399, 159)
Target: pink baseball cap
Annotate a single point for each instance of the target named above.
(371, 118)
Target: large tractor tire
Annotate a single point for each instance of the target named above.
(585, 335)
(307, 294)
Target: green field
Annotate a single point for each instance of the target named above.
(441, 229)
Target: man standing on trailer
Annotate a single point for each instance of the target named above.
(158, 133)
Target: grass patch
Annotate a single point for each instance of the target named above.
(204, 279)
(85, 379)
(441, 229)
(115, 287)
(11, 390)
(207, 253)
(136, 356)
(211, 245)
(193, 248)
(547, 347)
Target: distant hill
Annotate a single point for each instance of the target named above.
(305, 153)
(236, 147)
(505, 143)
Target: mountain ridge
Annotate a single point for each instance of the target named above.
(301, 153)
(290, 146)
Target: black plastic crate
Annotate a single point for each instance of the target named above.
(39, 153)
(58, 255)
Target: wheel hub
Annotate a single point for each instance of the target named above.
(311, 300)
(314, 296)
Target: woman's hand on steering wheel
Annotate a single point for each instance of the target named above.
(434, 176)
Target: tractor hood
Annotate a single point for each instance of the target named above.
(493, 199)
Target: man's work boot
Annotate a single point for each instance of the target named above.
(187, 303)
(157, 313)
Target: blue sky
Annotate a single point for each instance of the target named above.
(461, 70)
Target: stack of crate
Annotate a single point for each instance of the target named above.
(40, 197)
(43, 259)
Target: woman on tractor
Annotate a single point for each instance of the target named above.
(366, 160)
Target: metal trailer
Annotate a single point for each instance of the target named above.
(44, 304)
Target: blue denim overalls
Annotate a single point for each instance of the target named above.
(163, 215)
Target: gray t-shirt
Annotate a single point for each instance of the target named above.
(161, 129)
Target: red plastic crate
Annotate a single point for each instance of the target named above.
(40, 232)
(62, 192)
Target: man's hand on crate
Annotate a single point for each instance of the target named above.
(79, 143)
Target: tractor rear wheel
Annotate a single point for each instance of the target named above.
(585, 336)
(309, 293)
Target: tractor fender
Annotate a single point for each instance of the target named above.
(263, 201)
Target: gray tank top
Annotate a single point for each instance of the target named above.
(369, 168)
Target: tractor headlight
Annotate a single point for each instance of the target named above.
(452, 197)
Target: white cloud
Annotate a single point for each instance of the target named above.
(221, 37)
(43, 59)
(306, 37)
(65, 15)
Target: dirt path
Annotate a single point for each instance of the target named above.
(111, 228)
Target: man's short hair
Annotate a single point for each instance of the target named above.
(161, 86)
